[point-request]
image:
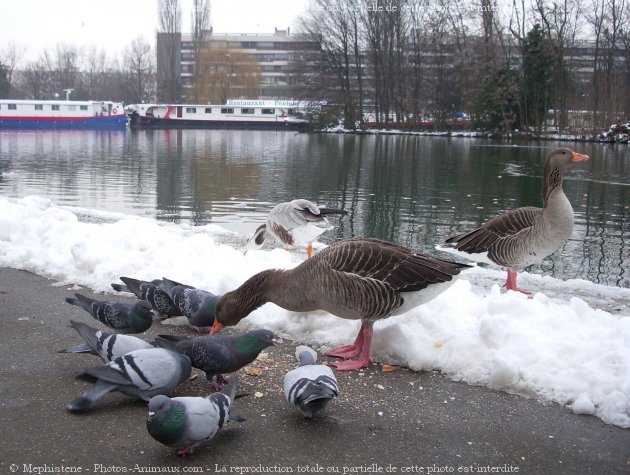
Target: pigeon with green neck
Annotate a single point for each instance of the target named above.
(216, 355)
(185, 422)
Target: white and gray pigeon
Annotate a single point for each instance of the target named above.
(141, 374)
(108, 346)
(124, 317)
(310, 387)
(185, 422)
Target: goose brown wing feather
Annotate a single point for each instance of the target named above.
(400, 268)
(504, 226)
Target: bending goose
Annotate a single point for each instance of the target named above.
(524, 236)
(359, 279)
(294, 222)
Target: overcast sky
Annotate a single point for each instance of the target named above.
(111, 24)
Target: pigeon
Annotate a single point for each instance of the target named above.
(152, 293)
(185, 422)
(294, 222)
(125, 317)
(197, 305)
(108, 346)
(219, 354)
(310, 387)
(141, 374)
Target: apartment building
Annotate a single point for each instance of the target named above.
(274, 52)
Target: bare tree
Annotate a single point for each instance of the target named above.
(333, 26)
(10, 57)
(559, 21)
(138, 72)
(200, 27)
(625, 41)
(608, 20)
(168, 51)
(63, 67)
(36, 80)
(96, 72)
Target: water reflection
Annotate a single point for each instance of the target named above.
(413, 190)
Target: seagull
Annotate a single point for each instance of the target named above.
(294, 222)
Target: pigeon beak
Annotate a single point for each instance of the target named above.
(216, 327)
(151, 414)
(275, 343)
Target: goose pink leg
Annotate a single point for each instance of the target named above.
(361, 347)
(349, 351)
(510, 284)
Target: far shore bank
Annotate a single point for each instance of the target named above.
(616, 134)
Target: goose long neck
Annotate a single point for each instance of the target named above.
(552, 181)
(255, 292)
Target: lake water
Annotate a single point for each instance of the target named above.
(413, 190)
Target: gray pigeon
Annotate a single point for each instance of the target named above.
(199, 306)
(152, 293)
(185, 422)
(310, 387)
(124, 317)
(108, 346)
(219, 354)
(141, 374)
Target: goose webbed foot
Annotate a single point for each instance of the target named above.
(361, 347)
(349, 351)
(510, 284)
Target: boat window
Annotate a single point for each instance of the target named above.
(39, 107)
(191, 110)
(55, 107)
(208, 110)
(268, 111)
(12, 107)
(83, 108)
(227, 110)
(247, 111)
(72, 108)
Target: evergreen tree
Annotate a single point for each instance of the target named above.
(537, 87)
(5, 85)
(498, 103)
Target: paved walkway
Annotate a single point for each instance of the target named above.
(400, 422)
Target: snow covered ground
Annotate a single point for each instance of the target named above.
(569, 344)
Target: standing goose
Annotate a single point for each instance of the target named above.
(358, 279)
(524, 236)
(294, 222)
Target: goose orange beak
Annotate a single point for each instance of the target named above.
(216, 327)
(579, 157)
